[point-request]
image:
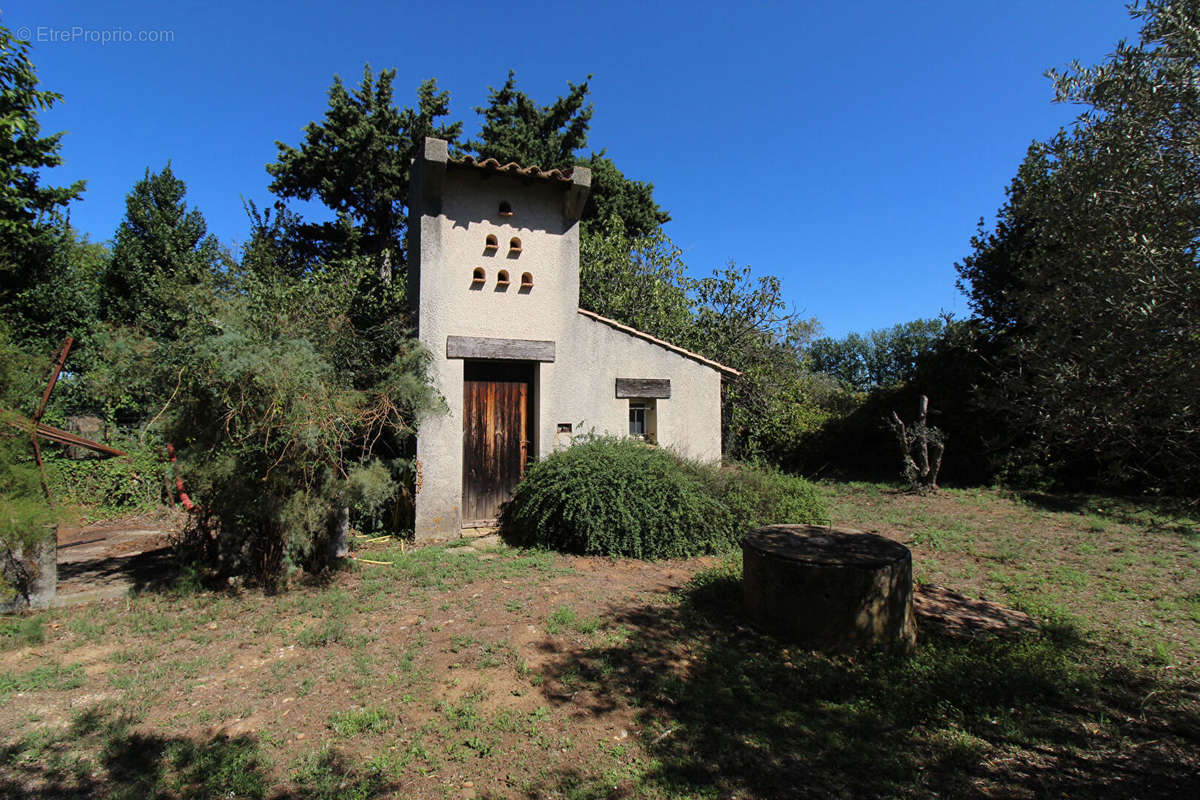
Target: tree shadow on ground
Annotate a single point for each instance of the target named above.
(151, 571)
(1170, 514)
(103, 754)
(727, 712)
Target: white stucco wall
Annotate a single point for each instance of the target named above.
(581, 389)
(579, 386)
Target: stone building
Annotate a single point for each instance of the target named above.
(494, 280)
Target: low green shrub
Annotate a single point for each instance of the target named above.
(619, 497)
(110, 485)
(755, 496)
(614, 497)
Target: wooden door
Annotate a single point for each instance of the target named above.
(497, 435)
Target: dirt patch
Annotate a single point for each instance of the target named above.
(108, 559)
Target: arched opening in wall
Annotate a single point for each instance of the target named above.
(501, 280)
(514, 247)
(526, 282)
(505, 208)
(478, 276)
(491, 244)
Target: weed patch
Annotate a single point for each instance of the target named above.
(22, 631)
(50, 677)
(360, 721)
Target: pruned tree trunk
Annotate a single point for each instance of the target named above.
(916, 445)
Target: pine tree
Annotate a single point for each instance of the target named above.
(356, 162)
(34, 285)
(164, 264)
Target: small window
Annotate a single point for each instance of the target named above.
(564, 427)
(491, 243)
(478, 276)
(514, 245)
(506, 209)
(502, 279)
(637, 419)
(643, 420)
(526, 281)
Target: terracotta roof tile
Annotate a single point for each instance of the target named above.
(513, 168)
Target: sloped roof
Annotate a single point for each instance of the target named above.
(708, 362)
(513, 168)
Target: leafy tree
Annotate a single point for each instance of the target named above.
(1091, 276)
(991, 276)
(270, 252)
(744, 323)
(26, 519)
(164, 264)
(855, 441)
(885, 357)
(729, 317)
(641, 282)
(516, 128)
(288, 409)
(62, 300)
(356, 162)
(35, 284)
(616, 197)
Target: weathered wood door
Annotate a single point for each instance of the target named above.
(497, 435)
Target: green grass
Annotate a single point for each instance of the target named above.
(446, 566)
(105, 754)
(566, 618)
(448, 671)
(22, 631)
(360, 721)
(752, 713)
(331, 630)
(48, 677)
(328, 774)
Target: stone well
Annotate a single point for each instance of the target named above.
(829, 589)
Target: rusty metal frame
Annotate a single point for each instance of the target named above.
(37, 429)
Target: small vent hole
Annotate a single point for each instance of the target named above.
(514, 245)
(491, 243)
(526, 281)
(478, 276)
(506, 209)
(502, 279)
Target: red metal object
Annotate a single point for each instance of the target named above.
(183, 496)
(62, 359)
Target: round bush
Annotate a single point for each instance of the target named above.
(619, 497)
(614, 497)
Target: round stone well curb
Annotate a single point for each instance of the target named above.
(829, 589)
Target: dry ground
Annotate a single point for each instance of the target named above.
(472, 672)
(108, 559)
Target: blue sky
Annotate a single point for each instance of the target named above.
(848, 147)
